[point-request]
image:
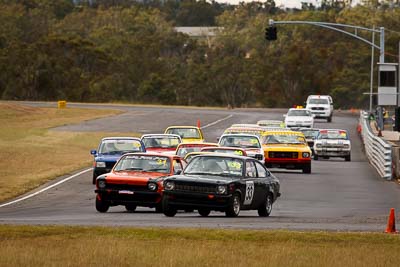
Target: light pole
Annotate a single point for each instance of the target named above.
(337, 27)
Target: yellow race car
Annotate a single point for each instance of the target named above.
(286, 149)
(188, 134)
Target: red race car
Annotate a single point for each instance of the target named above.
(136, 180)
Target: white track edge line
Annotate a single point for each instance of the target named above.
(45, 189)
(217, 121)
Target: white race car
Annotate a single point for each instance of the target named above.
(299, 117)
(249, 142)
(332, 143)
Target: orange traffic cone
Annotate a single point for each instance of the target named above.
(198, 123)
(391, 225)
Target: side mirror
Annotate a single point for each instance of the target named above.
(93, 152)
(217, 139)
(178, 172)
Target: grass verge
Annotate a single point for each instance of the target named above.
(100, 246)
(31, 154)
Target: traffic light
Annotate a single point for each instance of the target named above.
(270, 33)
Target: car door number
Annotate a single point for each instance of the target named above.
(249, 193)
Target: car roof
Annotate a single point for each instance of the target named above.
(283, 132)
(224, 155)
(120, 138)
(161, 135)
(188, 127)
(196, 153)
(244, 125)
(224, 148)
(239, 134)
(155, 154)
(194, 144)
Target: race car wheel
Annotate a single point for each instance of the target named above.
(329, 119)
(101, 206)
(233, 209)
(130, 207)
(265, 209)
(167, 209)
(307, 168)
(204, 212)
(347, 158)
(315, 157)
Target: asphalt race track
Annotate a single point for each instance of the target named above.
(337, 195)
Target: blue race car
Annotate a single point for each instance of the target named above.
(110, 150)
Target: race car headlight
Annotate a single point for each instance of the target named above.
(152, 186)
(221, 189)
(169, 185)
(306, 155)
(318, 145)
(101, 184)
(346, 146)
(100, 164)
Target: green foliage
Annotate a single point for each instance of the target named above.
(127, 51)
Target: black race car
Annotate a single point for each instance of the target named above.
(221, 182)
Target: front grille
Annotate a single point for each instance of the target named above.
(126, 187)
(195, 188)
(283, 155)
(333, 146)
(317, 108)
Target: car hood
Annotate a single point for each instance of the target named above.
(204, 179)
(287, 147)
(299, 118)
(134, 178)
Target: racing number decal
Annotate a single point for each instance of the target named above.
(249, 192)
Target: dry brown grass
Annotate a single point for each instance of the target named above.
(97, 246)
(30, 154)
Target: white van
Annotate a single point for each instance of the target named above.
(321, 106)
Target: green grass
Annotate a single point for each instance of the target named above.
(31, 154)
(101, 246)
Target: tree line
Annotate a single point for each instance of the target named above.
(126, 51)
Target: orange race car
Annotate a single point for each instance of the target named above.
(136, 180)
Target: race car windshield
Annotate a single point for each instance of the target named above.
(182, 151)
(221, 166)
(161, 142)
(310, 133)
(318, 101)
(284, 139)
(295, 112)
(120, 146)
(143, 163)
(185, 132)
(240, 141)
(243, 131)
(333, 135)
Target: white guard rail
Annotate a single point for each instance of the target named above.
(378, 151)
